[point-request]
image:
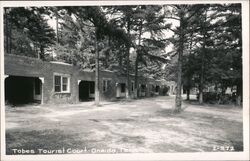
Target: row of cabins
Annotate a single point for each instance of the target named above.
(29, 80)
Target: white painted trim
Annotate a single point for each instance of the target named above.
(42, 79)
(78, 82)
(6, 76)
(61, 75)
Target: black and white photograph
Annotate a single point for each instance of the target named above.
(125, 79)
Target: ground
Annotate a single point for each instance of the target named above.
(143, 126)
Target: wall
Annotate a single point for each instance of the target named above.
(32, 67)
(115, 79)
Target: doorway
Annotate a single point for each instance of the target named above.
(23, 90)
(86, 91)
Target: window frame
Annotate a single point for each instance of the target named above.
(132, 86)
(105, 84)
(62, 76)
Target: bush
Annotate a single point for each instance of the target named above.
(210, 97)
(213, 97)
(225, 99)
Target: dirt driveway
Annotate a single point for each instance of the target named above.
(144, 126)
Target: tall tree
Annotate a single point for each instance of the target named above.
(227, 42)
(102, 28)
(145, 20)
(30, 24)
(185, 15)
(123, 17)
(212, 40)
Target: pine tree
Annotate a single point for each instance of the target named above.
(102, 29)
(29, 23)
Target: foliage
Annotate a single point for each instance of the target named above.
(207, 39)
(212, 46)
(29, 26)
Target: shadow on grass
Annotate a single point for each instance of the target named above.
(137, 140)
(212, 105)
(232, 130)
(167, 113)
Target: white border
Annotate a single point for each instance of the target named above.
(148, 156)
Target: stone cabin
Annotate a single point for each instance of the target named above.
(29, 80)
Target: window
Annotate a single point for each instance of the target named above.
(57, 83)
(61, 83)
(132, 86)
(157, 89)
(152, 87)
(105, 84)
(65, 83)
(143, 88)
(123, 85)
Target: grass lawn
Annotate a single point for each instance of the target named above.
(144, 126)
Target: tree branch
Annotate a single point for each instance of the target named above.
(170, 17)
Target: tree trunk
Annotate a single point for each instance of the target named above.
(57, 30)
(6, 33)
(97, 94)
(239, 94)
(188, 93)
(136, 77)
(178, 98)
(201, 76)
(222, 94)
(137, 61)
(9, 30)
(128, 89)
(128, 77)
(41, 54)
(188, 60)
(238, 100)
(201, 86)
